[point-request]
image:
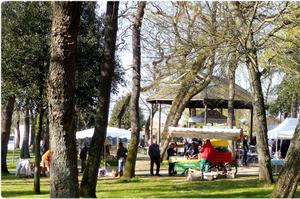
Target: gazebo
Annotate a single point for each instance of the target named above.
(215, 95)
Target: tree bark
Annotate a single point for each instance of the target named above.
(32, 132)
(6, 118)
(246, 39)
(61, 85)
(25, 142)
(189, 87)
(148, 136)
(37, 170)
(89, 180)
(123, 110)
(231, 78)
(289, 176)
(136, 86)
(17, 134)
(265, 169)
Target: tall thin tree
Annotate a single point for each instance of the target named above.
(136, 86)
(6, 118)
(61, 84)
(89, 180)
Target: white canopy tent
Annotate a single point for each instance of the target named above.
(110, 131)
(285, 130)
(205, 133)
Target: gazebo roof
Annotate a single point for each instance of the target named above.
(215, 95)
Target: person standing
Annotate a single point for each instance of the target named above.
(207, 153)
(121, 156)
(245, 150)
(46, 158)
(83, 156)
(171, 152)
(154, 154)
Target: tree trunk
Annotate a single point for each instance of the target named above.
(265, 169)
(294, 105)
(45, 136)
(89, 179)
(6, 118)
(17, 132)
(32, 132)
(123, 110)
(25, 143)
(136, 86)
(231, 78)
(248, 44)
(37, 170)
(190, 86)
(61, 85)
(148, 124)
(289, 176)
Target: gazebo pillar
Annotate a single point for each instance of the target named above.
(159, 125)
(151, 123)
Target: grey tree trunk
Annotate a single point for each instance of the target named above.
(148, 124)
(289, 176)
(37, 160)
(61, 84)
(265, 169)
(89, 179)
(32, 132)
(231, 77)
(6, 118)
(24, 153)
(247, 43)
(189, 87)
(17, 134)
(135, 94)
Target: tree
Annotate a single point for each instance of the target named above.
(89, 180)
(6, 118)
(247, 41)
(120, 114)
(135, 94)
(61, 85)
(194, 79)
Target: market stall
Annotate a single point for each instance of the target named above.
(222, 162)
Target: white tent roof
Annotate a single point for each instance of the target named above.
(205, 133)
(111, 131)
(285, 130)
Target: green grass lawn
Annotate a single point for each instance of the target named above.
(147, 187)
(144, 187)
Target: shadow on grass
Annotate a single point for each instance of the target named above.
(19, 193)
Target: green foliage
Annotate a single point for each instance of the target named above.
(286, 91)
(125, 122)
(25, 42)
(90, 58)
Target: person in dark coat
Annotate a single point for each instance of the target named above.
(245, 150)
(284, 148)
(121, 156)
(154, 154)
(171, 152)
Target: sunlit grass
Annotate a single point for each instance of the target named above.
(151, 187)
(144, 186)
